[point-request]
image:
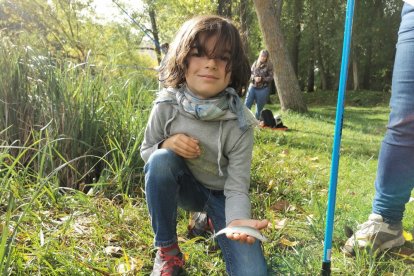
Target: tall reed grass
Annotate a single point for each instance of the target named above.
(64, 125)
(95, 116)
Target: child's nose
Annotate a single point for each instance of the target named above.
(211, 63)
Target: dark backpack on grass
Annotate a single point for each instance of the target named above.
(267, 117)
(271, 121)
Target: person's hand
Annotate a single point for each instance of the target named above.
(243, 238)
(183, 145)
(257, 79)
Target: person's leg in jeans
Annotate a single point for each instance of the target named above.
(241, 259)
(168, 184)
(395, 174)
(261, 99)
(250, 97)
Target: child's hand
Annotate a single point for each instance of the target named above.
(183, 145)
(258, 224)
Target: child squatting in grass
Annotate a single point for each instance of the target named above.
(198, 145)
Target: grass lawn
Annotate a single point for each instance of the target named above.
(73, 233)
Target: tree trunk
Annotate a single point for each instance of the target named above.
(244, 30)
(355, 70)
(376, 15)
(224, 8)
(318, 51)
(279, 4)
(155, 34)
(297, 12)
(289, 93)
(311, 76)
(368, 64)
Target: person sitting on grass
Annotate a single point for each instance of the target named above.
(198, 146)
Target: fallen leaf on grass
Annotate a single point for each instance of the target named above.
(122, 268)
(284, 153)
(291, 208)
(41, 237)
(314, 159)
(350, 192)
(81, 229)
(288, 243)
(407, 236)
(111, 238)
(271, 184)
(280, 224)
(281, 205)
(113, 251)
(131, 266)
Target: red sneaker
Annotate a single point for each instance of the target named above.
(168, 264)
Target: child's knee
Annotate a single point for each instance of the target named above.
(162, 159)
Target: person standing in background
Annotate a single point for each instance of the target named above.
(259, 88)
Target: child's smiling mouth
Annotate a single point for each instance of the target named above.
(212, 77)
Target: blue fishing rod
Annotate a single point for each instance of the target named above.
(327, 251)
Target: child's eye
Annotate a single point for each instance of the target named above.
(225, 58)
(196, 53)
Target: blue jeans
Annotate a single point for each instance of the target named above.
(258, 95)
(169, 184)
(395, 174)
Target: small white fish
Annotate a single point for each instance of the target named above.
(253, 232)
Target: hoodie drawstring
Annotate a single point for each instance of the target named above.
(219, 149)
(175, 111)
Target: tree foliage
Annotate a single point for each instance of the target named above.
(71, 30)
(313, 32)
(321, 36)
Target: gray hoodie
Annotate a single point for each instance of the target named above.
(226, 150)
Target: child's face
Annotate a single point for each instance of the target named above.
(205, 76)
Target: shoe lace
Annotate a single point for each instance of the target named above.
(170, 261)
(370, 227)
